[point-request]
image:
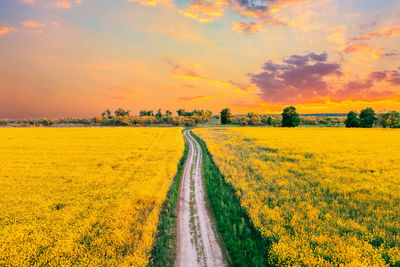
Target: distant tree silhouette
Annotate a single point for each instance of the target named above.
(106, 114)
(181, 112)
(367, 118)
(226, 116)
(290, 118)
(352, 120)
(143, 113)
(158, 114)
(391, 120)
(121, 112)
(269, 121)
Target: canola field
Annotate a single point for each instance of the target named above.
(322, 197)
(83, 196)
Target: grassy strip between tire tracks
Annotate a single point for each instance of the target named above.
(164, 250)
(244, 242)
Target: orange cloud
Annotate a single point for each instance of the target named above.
(63, 4)
(205, 10)
(196, 98)
(32, 24)
(252, 27)
(5, 30)
(209, 10)
(152, 2)
(365, 48)
(182, 72)
(29, 1)
(338, 36)
(261, 10)
(383, 33)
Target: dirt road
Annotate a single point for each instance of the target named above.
(197, 243)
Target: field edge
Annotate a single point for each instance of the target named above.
(244, 243)
(164, 252)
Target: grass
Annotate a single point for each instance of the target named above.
(164, 250)
(244, 243)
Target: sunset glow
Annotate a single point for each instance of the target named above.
(80, 57)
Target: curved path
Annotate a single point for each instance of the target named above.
(197, 239)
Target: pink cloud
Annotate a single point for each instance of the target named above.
(5, 30)
(382, 33)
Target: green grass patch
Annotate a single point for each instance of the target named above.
(244, 242)
(164, 250)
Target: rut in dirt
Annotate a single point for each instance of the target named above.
(197, 239)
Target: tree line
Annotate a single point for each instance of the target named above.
(122, 117)
(368, 119)
(290, 118)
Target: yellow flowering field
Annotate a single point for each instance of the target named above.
(85, 196)
(322, 196)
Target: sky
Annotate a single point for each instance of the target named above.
(76, 58)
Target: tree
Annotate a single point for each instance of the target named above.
(143, 113)
(269, 121)
(290, 118)
(251, 115)
(122, 113)
(158, 114)
(226, 116)
(181, 112)
(107, 114)
(367, 118)
(168, 113)
(391, 120)
(352, 120)
(208, 115)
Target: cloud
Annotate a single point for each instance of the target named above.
(310, 78)
(298, 79)
(180, 71)
(5, 30)
(383, 33)
(204, 10)
(372, 23)
(390, 76)
(152, 2)
(365, 48)
(29, 1)
(338, 35)
(196, 98)
(364, 89)
(32, 24)
(361, 90)
(259, 10)
(255, 26)
(63, 4)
